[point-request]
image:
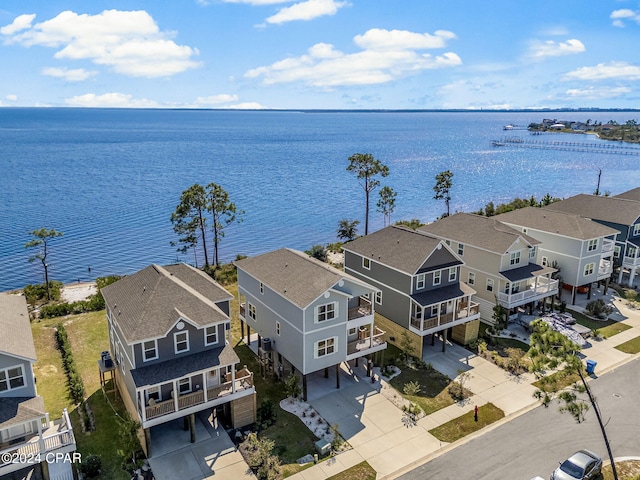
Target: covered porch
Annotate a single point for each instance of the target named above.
(434, 310)
(526, 285)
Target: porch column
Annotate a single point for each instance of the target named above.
(204, 385)
(248, 335)
(421, 318)
(444, 340)
(304, 388)
(192, 427)
(337, 375)
(176, 394)
(439, 312)
(433, 339)
(589, 291)
(233, 380)
(573, 295)
(632, 275)
(143, 407)
(40, 439)
(620, 275)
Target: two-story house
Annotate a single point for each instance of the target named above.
(25, 429)
(621, 214)
(421, 291)
(581, 248)
(499, 262)
(168, 333)
(308, 315)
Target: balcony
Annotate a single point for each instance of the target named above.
(243, 311)
(364, 309)
(56, 438)
(214, 395)
(631, 261)
(366, 345)
(607, 246)
(464, 311)
(545, 288)
(604, 269)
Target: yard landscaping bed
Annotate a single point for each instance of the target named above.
(466, 424)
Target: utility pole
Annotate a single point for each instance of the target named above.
(597, 192)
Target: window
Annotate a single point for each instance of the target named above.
(326, 347)
(448, 242)
(153, 392)
(532, 252)
(262, 288)
(277, 328)
(436, 277)
(11, 378)
(452, 273)
(434, 310)
(252, 311)
(184, 385)
(460, 249)
(545, 261)
(366, 263)
(588, 268)
(326, 312)
(420, 281)
(506, 287)
(150, 350)
(211, 335)
(181, 342)
(352, 331)
(636, 229)
(472, 278)
(489, 284)
(379, 298)
(616, 251)
(515, 258)
(592, 245)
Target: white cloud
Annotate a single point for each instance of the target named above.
(11, 98)
(550, 48)
(247, 106)
(253, 2)
(215, 100)
(70, 75)
(20, 23)
(624, 14)
(109, 100)
(387, 55)
(604, 71)
(593, 93)
(129, 42)
(307, 10)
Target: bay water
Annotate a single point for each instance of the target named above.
(109, 179)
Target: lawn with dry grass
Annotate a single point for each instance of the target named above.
(629, 470)
(632, 346)
(361, 471)
(466, 424)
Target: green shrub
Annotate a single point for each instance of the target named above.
(597, 308)
(38, 292)
(318, 252)
(91, 465)
(411, 388)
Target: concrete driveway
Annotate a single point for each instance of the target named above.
(213, 455)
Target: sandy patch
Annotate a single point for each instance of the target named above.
(314, 422)
(76, 292)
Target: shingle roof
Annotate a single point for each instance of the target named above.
(14, 410)
(148, 303)
(633, 194)
(562, 223)
(181, 366)
(397, 247)
(609, 209)
(14, 318)
(525, 272)
(442, 294)
(482, 232)
(293, 274)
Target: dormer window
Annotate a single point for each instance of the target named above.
(181, 342)
(150, 350)
(515, 258)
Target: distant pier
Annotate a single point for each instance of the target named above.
(612, 148)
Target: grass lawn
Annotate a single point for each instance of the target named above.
(362, 471)
(632, 346)
(556, 381)
(627, 470)
(607, 328)
(465, 424)
(433, 394)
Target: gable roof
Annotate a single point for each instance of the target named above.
(294, 275)
(14, 410)
(487, 233)
(148, 303)
(562, 223)
(14, 318)
(399, 247)
(633, 194)
(609, 209)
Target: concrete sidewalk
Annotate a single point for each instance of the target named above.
(378, 432)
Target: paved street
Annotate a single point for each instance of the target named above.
(533, 443)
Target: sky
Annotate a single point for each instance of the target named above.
(320, 54)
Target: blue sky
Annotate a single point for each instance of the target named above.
(323, 54)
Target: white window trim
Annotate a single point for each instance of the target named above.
(366, 263)
(207, 334)
(453, 274)
(317, 347)
(8, 379)
(472, 278)
(251, 311)
(437, 277)
(490, 282)
(461, 249)
(159, 391)
(379, 297)
(420, 281)
(144, 351)
(188, 379)
(532, 252)
(262, 288)
(636, 229)
(277, 328)
(616, 251)
(592, 245)
(544, 261)
(589, 268)
(175, 342)
(514, 258)
(317, 312)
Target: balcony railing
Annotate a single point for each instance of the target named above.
(243, 381)
(631, 261)
(545, 288)
(362, 310)
(605, 268)
(432, 322)
(58, 435)
(607, 246)
(363, 344)
(243, 310)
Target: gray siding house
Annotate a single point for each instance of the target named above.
(622, 213)
(308, 315)
(582, 249)
(499, 262)
(25, 428)
(419, 278)
(168, 333)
